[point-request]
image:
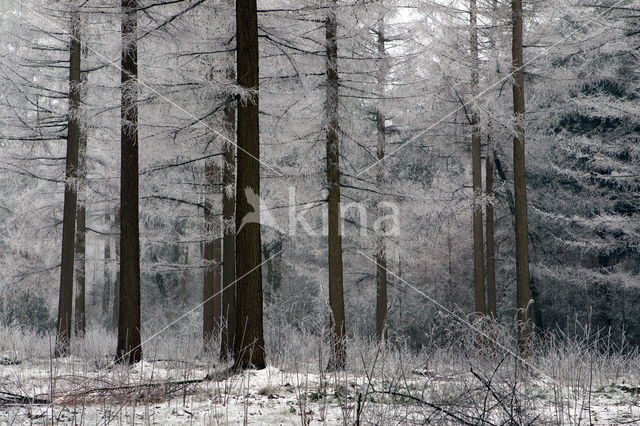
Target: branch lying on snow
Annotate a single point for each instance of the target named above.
(8, 398)
(141, 391)
(138, 392)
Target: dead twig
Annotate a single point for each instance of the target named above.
(454, 416)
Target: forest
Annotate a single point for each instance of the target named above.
(320, 211)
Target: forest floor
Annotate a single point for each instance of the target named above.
(81, 391)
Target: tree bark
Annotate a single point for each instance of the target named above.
(65, 301)
(129, 348)
(212, 297)
(520, 184)
(476, 166)
(249, 337)
(381, 249)
(338, 342)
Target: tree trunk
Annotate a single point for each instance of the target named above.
(106, 288)
(80, 261)
(491, 261)
(249, 337)
(492, 304)
(229, 239)
(476, 166)
(381, 249)
(212, 297)
(338, 342)
(537, 309)
(65, 301)
(129, 348)
(520, 184)
(116, 284)
(184, 279)
(270, 252)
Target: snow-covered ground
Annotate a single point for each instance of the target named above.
(170, 392)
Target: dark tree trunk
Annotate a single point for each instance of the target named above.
(212, 296)
(537, 308)
(520, 184)
(65, 301)
(476, 166)
(381, 248)
(249, 337)
(338, 338)
(129, 342)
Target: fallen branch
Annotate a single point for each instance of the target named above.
(141, 391)
(8, 398)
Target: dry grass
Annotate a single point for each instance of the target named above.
(468, 381)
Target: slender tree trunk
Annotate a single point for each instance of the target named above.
(65, 301)
(266, 254)
(229, 239)
(274, 267)
(249, 340)
(492, 306)
(212, 297)
(116, 284)
(129, 348)
(449, 261)
(184, 280)
(491, 261)
(537, 309)
(338, 338)
(397, 281)
(106, 288)
(381, 249)
(520, 184)
(476, 165)
(81, 222)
